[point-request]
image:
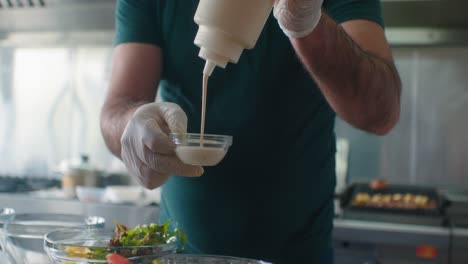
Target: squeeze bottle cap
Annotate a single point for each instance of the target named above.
(209, 67)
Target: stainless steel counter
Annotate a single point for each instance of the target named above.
(129, 214)
(356, 241)
(375, 232)
(378, 242)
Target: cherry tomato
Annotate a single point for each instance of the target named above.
(117, 259)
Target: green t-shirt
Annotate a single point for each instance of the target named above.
(272, 196)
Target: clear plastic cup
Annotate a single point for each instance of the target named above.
(192, 150)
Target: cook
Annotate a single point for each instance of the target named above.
(271, 198)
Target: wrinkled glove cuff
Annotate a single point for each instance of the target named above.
(298, 18)
(305, 30)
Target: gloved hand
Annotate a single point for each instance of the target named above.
(147, 150)
(297, 18)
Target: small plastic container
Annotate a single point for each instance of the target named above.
(90, 194)
(191, 150)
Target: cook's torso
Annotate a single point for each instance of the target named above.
(273, 190)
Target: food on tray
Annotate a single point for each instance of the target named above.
(378, 185)
(397, 197)
(391, 201)
(361, 198)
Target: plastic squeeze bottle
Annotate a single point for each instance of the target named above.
(227, 27)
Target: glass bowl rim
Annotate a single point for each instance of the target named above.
(23, 219)
(218, 257)
(220, 139)
(54, 244)
(11, 228)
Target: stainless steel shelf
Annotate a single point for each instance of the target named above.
(427, 36)
(61, 16)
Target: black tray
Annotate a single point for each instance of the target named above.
(347, 198)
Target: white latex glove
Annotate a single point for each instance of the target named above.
(298, 18)
(147, 150)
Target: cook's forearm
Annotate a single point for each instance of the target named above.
(362, 88)
(115, 116)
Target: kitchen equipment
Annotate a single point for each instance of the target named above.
(78, 172)
(91, 246)
(24, 235)
(342, 159)
(114, 178)
(6, 215)
(407, 22)
(458, 210)
(196, 259)
(16, 184)
(432, 215)
(9, 184)
(227, 27)
(192, 150)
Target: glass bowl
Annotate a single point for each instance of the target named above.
(25, 233)
(193, 259)
(192, 150)
(91, 246)
(6, 215)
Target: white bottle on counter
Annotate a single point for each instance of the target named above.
(227, 27)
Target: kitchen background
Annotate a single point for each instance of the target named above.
(50, 98)
(54, 75)
(430, 144)
(54, 71)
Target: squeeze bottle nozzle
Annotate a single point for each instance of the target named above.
(209, 67)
